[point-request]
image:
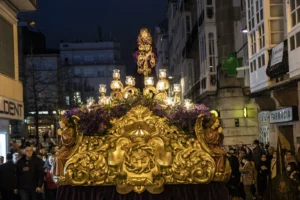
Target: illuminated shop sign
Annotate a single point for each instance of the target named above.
(11, 109)
(284, 115)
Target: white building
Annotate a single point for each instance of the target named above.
(90, 64)
(11, 89)
(179, 30)
(202, 33)
(161, 44)
(274, 63)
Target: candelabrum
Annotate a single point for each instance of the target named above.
(90, 102)
(159, 92)
(149, 89)
(162, 85)
(116, 86)
(102, 91)
(176, 90)
(129, 90)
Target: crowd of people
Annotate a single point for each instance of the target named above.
(254, 170)
(26, 173)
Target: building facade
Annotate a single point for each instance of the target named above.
(88, 65)
(161, 44)
(273, 43)
(210, 33)
(11, 89)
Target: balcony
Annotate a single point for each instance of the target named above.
(24, 5)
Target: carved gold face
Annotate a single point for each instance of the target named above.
(142, 152)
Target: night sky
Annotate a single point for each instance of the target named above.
(70, 19)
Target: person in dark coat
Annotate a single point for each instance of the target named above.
(30, 175)
(256, 154)
(8, 179)
(262, 176)
(236, 190)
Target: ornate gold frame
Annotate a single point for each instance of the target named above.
(143, 152)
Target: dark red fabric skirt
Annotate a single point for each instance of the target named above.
(212, 191)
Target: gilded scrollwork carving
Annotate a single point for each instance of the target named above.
(143, 152)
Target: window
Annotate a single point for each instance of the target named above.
(259, 7)
(76, 72)
(100, 73)
(209, 9)
(89, 73)
(251, 14)
(211, 50)
(297, 39)
(203, 83)
(253, 43)
(261, 33)
(295, 12)
(67, 100)
(261, 61)
(88, 58)
(251, 67)
(254, 65)
(277, 31)
(188, 25)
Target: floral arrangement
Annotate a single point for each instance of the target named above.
(95, 120)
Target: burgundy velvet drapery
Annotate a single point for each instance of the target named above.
(212, 191)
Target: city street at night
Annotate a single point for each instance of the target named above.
(152, 99)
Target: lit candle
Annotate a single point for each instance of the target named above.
(162, 73)
(170, 101)
(116, 74)
(116, 85)
(161, 85)
(149, 81)
(130, 81)
(107, 100)
(90, 101)
(102, 88)
(176, 88)
(187, 104)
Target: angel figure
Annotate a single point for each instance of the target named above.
(68, 139)
(213, 137)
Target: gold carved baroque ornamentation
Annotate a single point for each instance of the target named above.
(143, 152)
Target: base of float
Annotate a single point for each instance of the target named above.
(212, 191)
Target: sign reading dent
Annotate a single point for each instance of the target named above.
(11, 109)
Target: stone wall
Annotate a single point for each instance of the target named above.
(231, 103)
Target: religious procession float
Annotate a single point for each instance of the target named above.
(139, 143)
